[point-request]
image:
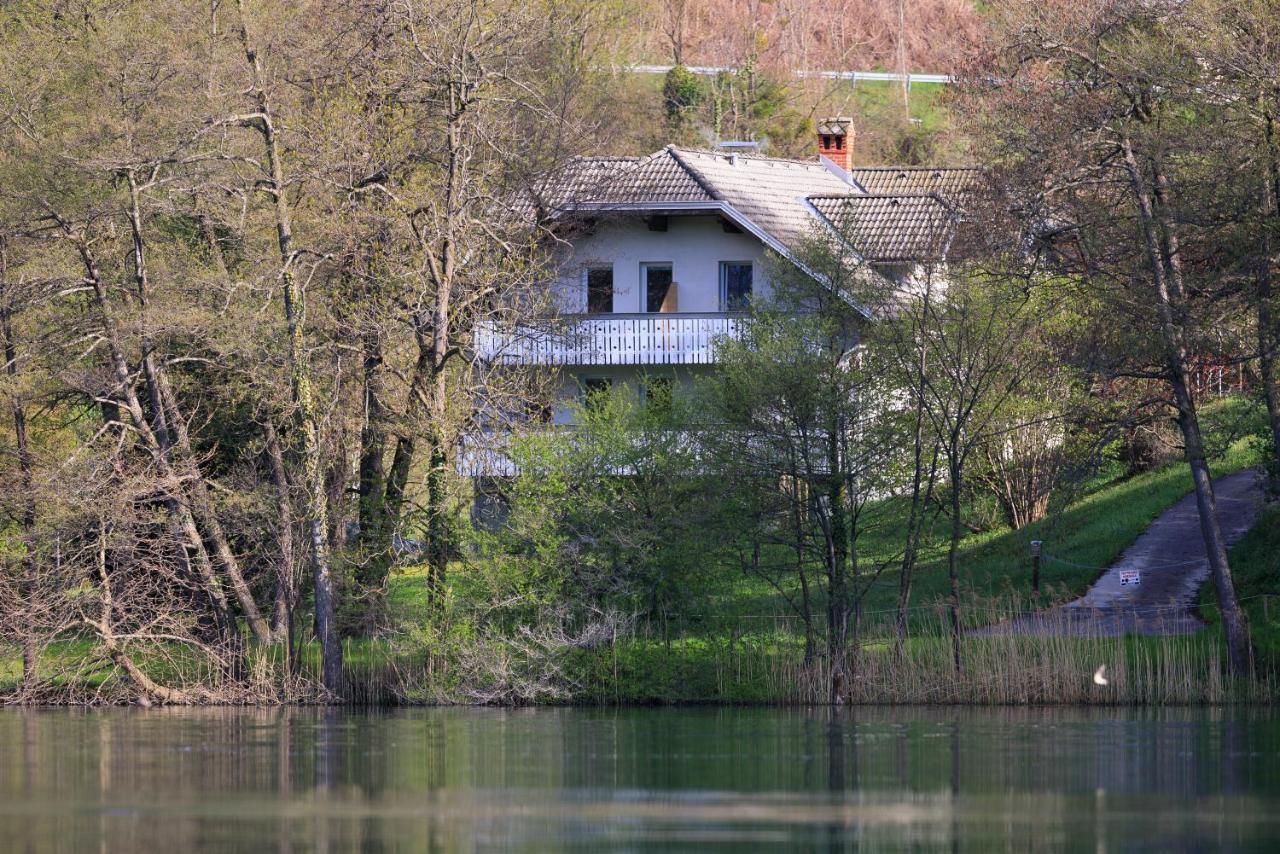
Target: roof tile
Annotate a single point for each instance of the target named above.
(889, 214)
(890, 229)
(951, 184)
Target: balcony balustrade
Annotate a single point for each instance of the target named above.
(610, 339)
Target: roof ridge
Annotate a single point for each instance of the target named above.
(808, 164)
(649, 158)
(915, 168)
(649, 171)
(698, 177)
(933, 196)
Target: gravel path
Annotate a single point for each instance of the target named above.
(1170, 555)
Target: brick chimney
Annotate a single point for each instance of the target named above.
(835, 141)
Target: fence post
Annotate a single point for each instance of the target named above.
(1035, 566)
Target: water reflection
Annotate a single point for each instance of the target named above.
(443, 780)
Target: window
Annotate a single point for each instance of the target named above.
(540, 412)
(600, 290)
(657, 394)
(595, 388)
(659, 289)
(735, 285)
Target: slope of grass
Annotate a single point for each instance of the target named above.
(740, 653)
(745, 645)
(1255, 567)
(1079, 541)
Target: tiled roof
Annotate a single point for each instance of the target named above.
(890, 228)
(951, 184)
(889, 214)
(660, 177)
(769, 191)
(579, 178)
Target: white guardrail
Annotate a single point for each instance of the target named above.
(833, 74)
(612, 339)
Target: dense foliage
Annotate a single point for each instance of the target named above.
(246, 249)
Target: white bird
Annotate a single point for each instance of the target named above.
(1100, 676)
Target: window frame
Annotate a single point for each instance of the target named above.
(724, 285)
(645, 267)
(601, 382)
(586, 286)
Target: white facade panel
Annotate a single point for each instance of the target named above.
(694, 247)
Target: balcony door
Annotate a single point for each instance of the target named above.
(599, 290)
(659, 290)
(735, 285)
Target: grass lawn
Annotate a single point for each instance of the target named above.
(1092, 532)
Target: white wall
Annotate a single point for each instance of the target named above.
(694, 246)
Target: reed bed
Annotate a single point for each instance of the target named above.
(762, 660)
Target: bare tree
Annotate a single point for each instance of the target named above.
(263, 120)
(1086, 112)
(970, 333)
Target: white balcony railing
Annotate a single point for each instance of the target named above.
(609, 339)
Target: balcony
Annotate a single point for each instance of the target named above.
(610, 339)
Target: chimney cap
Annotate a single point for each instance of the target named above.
(835, 126)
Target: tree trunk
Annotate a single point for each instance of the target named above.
(335, 487)
(1162, 249)
(439, 529)
(429, 374)
(206, 516)
(317, 515)
(30, 653)
(402, 460)
(1267, 338)
(953, 561)
(170, 428)
(915, 516)
(837, 532)
(373, 538)
(175, 500)
(148, 686)
(286, 592)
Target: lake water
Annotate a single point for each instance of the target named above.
(693, 779)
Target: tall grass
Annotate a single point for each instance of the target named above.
(762, 661)
(1055, 667)
(765, 663)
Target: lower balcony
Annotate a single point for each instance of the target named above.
(610, 339)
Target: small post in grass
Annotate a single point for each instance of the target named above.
(1035, 567)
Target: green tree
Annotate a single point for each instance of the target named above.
(1103, 128)
(682, 94)
(793, 435)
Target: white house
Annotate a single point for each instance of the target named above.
(666, 251)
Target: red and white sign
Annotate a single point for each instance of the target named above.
(1130, 576)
